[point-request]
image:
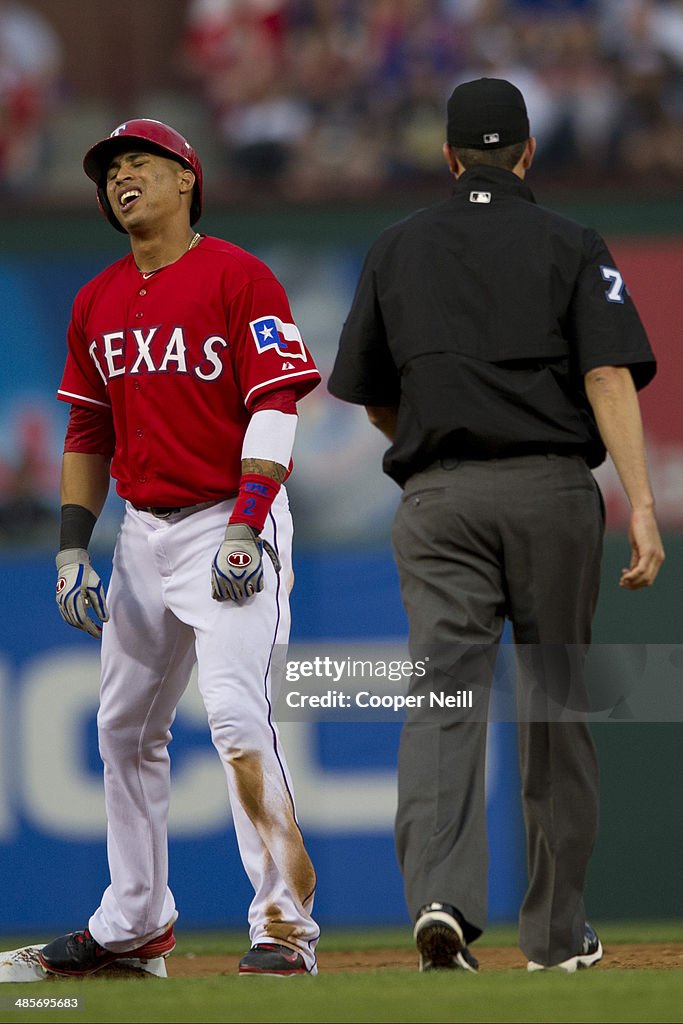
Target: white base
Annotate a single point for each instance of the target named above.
(23, 965)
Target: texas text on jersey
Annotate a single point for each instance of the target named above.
(200, 343)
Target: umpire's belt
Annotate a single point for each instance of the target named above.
(162, 512)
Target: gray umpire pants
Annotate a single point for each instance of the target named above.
(476, 542)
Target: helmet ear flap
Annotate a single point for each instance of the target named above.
(105, 207)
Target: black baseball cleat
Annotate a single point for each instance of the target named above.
(591, 953)
(440, 940)
(270, 958)
(78, 954)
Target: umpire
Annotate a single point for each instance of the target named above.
(496, 345)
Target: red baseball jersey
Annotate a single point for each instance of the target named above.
(178, 358)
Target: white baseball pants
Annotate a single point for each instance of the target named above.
(162, 619)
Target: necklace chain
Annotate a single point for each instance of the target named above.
(195, 238)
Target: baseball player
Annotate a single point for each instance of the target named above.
(183, 372)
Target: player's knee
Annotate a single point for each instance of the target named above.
(122, 737)
(233, 738)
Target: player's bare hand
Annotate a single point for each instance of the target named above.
(80, 594)
(237, 570)
(647, 551)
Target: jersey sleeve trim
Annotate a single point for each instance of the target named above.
(68, 396)
(311, 374)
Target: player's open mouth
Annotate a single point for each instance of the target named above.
(126, 199)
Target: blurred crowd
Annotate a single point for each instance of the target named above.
(315, 99)
(30, 68)
(318, 97)
(328, 96)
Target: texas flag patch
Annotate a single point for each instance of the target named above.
(270, 332)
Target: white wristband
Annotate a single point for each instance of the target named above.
(270, 435)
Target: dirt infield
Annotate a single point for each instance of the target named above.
(651, 956)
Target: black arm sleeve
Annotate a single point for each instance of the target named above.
(364, 371)
(606, 326)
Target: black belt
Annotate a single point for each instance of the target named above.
(159, 510)
(163, 511)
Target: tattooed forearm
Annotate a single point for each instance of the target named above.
(265, 468)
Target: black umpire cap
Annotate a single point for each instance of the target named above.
(488, 113)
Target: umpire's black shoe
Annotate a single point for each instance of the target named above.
(440, 939)
(270, 958)
(591, 953)
(78, 954)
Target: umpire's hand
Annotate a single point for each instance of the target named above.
(647, 551)
(80, 591)
(237, 569)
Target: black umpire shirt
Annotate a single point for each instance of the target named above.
(479, 317)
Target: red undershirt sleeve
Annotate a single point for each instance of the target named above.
(90, 431)
(283, 400)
